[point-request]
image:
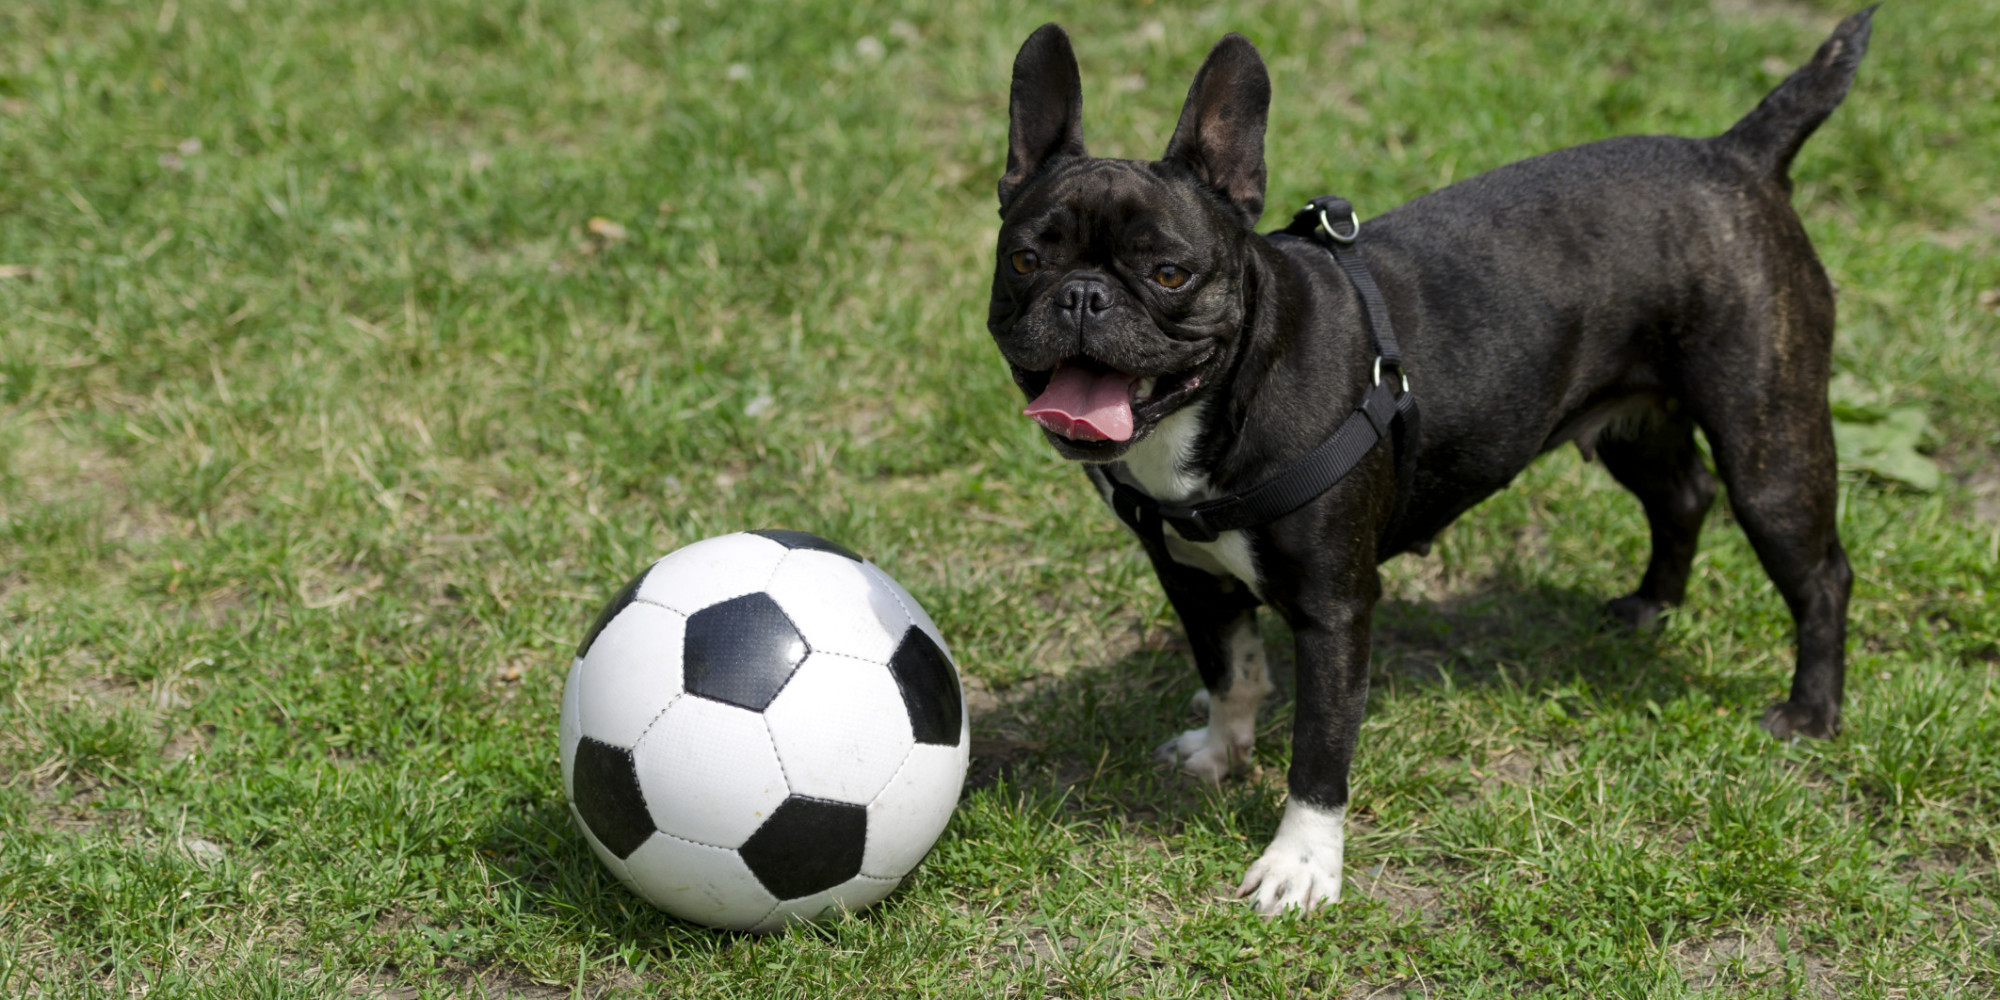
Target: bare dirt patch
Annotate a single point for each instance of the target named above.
(50, 468)
(1402, 989)
(1741, 959)
(1514, 766)
(1981, 228)
(53, 483)
(498, 984)
(1985, 485)
(1396, 891)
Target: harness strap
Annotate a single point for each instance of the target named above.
(1383, 412)
(1323, 221)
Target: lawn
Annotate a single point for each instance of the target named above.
(352, 354)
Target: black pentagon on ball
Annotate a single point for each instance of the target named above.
(741, 651)
(803, 540)
(808, 845)
(930, 689)
(617, 603)
(608, 796)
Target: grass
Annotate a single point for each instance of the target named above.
(327, 419)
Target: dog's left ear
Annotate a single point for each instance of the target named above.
(1221, 132)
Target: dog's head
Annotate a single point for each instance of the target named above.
(1118, 292)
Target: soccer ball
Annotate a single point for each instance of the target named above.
(762, 727)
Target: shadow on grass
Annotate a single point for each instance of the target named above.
(1529, 634)
(1509, 637)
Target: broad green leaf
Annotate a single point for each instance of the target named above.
(1887, 447)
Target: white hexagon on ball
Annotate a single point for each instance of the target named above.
(840, 728)
(630, 673)
(712, 570)
(708, 772)
(837, 603)
(909, 814)
(909, 605)
(708, 885)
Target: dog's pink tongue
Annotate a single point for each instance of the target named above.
(1084, 406)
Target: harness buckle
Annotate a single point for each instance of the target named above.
(1149, 517)
(1191, 525)
(1140, 512)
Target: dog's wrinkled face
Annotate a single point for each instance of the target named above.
(1115, 289)
(1117, 292)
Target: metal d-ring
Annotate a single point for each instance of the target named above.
(1352, 220)
(1399, 371)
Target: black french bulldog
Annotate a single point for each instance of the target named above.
(1617, 295)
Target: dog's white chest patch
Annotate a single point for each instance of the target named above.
(1158, 465)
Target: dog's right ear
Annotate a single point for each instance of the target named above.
(1044, 109)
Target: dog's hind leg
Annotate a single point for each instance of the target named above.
(1220, 616)
(1763, 408)
(1757, 382)
(1659, 463)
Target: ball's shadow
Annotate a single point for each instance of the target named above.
(548, 868)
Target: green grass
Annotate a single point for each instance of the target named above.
(326, 422)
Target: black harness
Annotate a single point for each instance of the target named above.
(1387, 408)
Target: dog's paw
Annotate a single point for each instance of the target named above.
(1633, 613)
(1301, 868)
(1789, 720)
(1204, 753)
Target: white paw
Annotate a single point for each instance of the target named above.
(1204, 753)
(1200, 702)
(1301, 868)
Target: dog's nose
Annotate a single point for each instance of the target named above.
(1084, 298)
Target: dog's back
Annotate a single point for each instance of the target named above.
(1631, 264)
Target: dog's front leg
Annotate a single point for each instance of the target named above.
(1301, 867)
(1220, 615)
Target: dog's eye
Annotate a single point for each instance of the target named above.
(1170, 276)
(1025, 261)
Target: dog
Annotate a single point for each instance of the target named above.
(1617, 295)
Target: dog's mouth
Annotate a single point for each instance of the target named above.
(1086, 400)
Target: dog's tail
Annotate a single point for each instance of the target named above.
(1771, 134)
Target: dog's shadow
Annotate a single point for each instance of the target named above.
(1097, 725)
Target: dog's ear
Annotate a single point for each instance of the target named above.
(1221, 132)
(1044, 108)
